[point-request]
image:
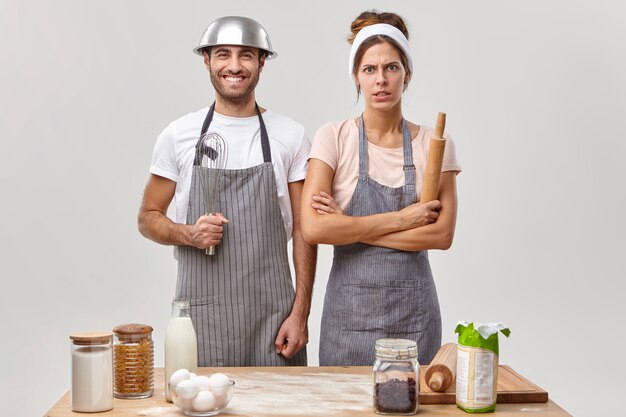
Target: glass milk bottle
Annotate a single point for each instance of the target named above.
(92, 372)
(181, 347)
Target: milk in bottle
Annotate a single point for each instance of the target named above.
(181, 348)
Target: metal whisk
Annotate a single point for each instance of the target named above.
(213, 154)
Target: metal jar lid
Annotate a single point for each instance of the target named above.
(91, 338)
(396, 348)
(236, 30)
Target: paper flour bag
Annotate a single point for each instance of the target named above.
(477, 366)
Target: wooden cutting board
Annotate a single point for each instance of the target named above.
(512, 388)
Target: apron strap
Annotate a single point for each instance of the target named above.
(409, 166)
(208, 119)
(265, 141)
(363, 156)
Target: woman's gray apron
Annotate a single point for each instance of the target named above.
(375, 292)
(241, 295)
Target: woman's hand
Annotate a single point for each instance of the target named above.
(412, 216)
(325, 203)
(419, 214)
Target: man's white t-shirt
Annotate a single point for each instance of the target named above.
(175, 149)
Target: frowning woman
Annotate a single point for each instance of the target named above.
(361, 195)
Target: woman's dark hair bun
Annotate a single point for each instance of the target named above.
(372, 17)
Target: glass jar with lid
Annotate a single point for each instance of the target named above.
(92, 372)
(396, 377)
(133, 361)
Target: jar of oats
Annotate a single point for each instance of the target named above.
(133, 361)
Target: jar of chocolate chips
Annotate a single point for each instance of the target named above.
(396, 377)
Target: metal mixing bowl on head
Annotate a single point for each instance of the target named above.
(236, 30)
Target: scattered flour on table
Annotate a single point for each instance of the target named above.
(160, 411)
(306, 394)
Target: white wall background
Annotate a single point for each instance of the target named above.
(535, 96)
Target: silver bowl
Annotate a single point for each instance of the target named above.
(236, 30)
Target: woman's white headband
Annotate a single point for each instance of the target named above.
(380, 29)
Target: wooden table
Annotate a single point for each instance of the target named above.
(295, 391)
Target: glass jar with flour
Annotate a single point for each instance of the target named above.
(92, 372)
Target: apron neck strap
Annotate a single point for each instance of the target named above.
(409, 167)
(207, 120)
(265, 141)
(363, 156)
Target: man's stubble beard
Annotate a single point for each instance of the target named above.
(235, 100)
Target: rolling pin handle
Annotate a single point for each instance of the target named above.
(434, 161)
(440, 125)
(436, 381)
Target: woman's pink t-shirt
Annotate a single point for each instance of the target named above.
(337, 144)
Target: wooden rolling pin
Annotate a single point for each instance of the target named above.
(442, 370)
(430, 187)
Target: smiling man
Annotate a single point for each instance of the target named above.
(243, 304)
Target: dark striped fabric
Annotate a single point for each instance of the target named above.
(375, 292)
(241, 295)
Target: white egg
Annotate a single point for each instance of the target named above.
(203, 382)
(183, 404)
(219, 380)
(178, 376)
(204, 401)
(220, 384)
(192, 375)
(187, 389)
(223, 399)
